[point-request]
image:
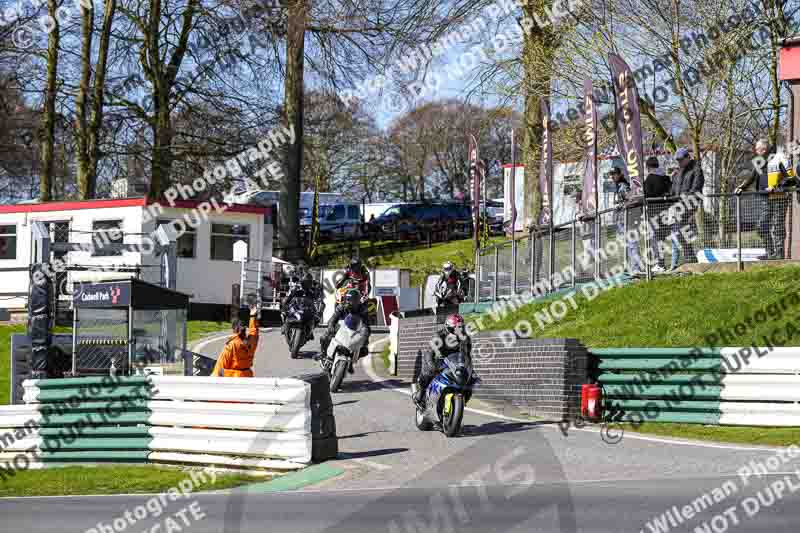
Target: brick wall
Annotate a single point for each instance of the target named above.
(538, 377)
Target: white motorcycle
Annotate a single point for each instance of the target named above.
(344, 349)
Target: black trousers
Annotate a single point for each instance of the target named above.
(772, 225)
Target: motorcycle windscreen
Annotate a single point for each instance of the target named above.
(350, 333)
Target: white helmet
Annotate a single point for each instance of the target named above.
(448, 267)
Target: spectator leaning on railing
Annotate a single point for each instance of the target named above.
(656, 185)
(688, 180)
(771, 177)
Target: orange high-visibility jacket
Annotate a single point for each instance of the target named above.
(236, 359)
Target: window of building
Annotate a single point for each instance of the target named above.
(223, 236)
(353, 212)
(8, 242)
(106, 232)
(186, 243)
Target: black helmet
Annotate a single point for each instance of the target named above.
(355, 264)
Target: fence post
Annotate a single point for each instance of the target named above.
(235, 301)
(626, 259)
(532, 247)
(242, 280)
(740, 267)
(787, 245)
(496, 268)
(648, 249)
(552, 262)
(513, 265)
(260, 285)
(477, 276)
(598, 222)
(573, 250)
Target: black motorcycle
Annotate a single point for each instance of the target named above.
(299, 321)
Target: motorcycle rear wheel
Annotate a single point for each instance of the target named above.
(421, 423)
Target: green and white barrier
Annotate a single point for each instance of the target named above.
(260, 423)
(727, 386)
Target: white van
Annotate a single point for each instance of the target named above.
(339, 216)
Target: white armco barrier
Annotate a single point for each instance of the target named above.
(764, 361)
(254, 423)
(294, 447)
(17, 416)
(755, 378)
(213, 389)
(255, 416)
(760, 414)
(761, 387)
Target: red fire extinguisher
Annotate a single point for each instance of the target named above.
(591, 401)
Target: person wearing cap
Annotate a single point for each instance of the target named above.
(771, 177)
(688, 180)
(657, 187)
(621, 197)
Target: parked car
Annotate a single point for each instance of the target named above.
(495, 213)
(414, 218)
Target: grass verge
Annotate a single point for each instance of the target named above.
(197, 329)
(5, 359)
(82, 480)
(681, 312)
(425, 261)
(385, 356)
(668, 312)
(762, 436)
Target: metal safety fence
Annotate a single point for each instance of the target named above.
(643, 238)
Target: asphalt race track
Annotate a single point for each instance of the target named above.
(501, 475)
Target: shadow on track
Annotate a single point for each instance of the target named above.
(497, 428)
(371, 453)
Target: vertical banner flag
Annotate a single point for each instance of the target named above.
(546, 167)
(475, 184)
(628, 122)
(513, 184)
(590, 192)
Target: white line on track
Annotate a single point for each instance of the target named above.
(366, 364)
(371, 464)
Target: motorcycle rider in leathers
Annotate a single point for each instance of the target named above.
(352, 303)
(356, 271)
(450, 339)
(448, 277)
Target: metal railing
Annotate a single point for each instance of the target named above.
(645, 237)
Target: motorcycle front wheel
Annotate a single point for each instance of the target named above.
(453, 414)
(295, 339)
(338, 375)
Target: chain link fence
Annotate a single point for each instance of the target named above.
(643, 238)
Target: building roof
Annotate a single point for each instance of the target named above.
(43, 207)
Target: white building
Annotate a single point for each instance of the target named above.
(206, 267)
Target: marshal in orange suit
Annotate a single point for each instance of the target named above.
(236, 359)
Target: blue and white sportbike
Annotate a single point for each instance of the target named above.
(446, 396)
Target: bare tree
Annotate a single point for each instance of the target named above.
(87, 130)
